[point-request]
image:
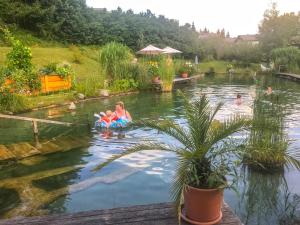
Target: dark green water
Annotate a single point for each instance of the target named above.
(64, 182)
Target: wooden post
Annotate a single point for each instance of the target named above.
(35, 127)
(36, 134)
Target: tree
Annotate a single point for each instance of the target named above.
(278, 30)
(193, 27)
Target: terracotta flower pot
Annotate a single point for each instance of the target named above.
(184, 75)
(202, 206)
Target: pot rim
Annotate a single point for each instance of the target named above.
(205, 190)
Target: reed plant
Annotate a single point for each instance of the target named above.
(167, 72)
(114, 59)
(267, 148)
(90, 86)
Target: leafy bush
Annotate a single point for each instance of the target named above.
(63, 70)
(12, 102)
(124, 85)
(19, 58)
(153, 68)
(114, 57)
(19, 69)
(211, 71)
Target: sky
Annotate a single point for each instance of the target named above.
(235, 16)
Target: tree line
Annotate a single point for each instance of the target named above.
(73, 22)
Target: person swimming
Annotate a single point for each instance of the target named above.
(238, 100)
(269, 90)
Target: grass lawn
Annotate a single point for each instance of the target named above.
(42, 56)
(221, 66)
(88, 66)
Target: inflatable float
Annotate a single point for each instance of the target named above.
(120, 123)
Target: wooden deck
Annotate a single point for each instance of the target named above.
(23, 150)
(289, 76)
(155, 214)
(186, 80)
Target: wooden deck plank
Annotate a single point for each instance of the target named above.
(154, 214)
(289, 76)
(22, 150)
(6, 154)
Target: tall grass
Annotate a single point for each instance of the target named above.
(289, 57)
(11, 102)
(167, 72)
(114, 58)
(90, 86)
(268, 144)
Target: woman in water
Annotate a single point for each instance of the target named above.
(121, 113)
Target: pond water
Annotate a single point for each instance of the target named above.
(65, 182)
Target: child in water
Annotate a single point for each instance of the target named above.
(107, 118)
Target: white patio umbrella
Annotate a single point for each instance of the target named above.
(150, 50)
(169, 50)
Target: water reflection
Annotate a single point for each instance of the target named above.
(266, 199)
(64, 182)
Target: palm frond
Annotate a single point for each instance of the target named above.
(293, 160)
(180, 182)
(172, 129)
(134, 149)
(226, 129)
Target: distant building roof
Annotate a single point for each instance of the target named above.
(247, 37)
(230, 40)
(206, 35)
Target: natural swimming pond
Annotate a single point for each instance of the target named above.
(66, 182)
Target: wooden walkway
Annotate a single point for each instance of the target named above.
(186, 80)
(155, 214)
(289, 76)
(23, 150)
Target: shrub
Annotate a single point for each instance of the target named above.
(63, 70)
(211, 71)
(289, 57)
(12, 102)
(90, 86)
(124, 85)
(19, 58)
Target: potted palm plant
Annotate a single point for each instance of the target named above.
(202, 159)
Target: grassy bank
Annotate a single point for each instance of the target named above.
(83, 60)
(221, 67)
(85, 64)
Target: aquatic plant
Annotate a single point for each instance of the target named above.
(267, 148)
(202, 156)
(266, 194)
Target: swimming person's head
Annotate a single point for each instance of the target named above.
(120, 106)
(109, 113)
(238, 96)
